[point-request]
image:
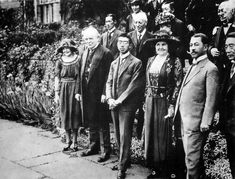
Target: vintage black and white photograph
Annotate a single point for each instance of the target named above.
(117, 89)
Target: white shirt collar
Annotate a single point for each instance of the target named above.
(142, 33)
(111, 30)
(123, 56)
(196, 61)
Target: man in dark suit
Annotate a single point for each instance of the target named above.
(95, 64)
(228, 115)
(125, 83)
(109, 38)
(216, 50)
(139, 50)
(196, 104)
(201, 16)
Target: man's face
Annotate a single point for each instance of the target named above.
(225, 12)
(230, 48)
(123, 44)
(109, 23)
(166, 8)
(91, 40)
(135, 8)
(196, 47)
(140, 25)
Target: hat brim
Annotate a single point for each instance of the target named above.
(172, 42)
(72, 48)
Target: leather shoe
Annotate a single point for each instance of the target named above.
(88, 153)
(104, 157)
(121, 174)
(115, 167)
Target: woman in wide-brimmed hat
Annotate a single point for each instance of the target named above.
(164, 76)
(66, 86)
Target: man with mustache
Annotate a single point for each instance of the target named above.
(196, 104)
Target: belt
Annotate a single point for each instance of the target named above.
(157, 91)
(68, 80)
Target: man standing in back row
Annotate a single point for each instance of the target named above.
(196, 104)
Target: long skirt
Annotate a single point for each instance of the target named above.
(69, 107)
(158, 143)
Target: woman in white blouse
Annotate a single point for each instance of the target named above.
(164, 76)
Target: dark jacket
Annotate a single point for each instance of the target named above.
(92, 89)
(139, 49)
(112, 44)
(127, 83)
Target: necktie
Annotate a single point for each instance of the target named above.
(232, 71)
(139, 38)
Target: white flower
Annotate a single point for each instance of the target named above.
(48, 93)
(9, 75)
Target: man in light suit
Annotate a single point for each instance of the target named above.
(196, 104)
(109, 38)
(138, 37)
(125, 83)
(95, 64)
(227, 116)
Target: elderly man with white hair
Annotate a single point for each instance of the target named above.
(139, 50)
(95, 64)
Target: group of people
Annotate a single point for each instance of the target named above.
(122, 76)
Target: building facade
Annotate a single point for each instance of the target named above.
(47, 11)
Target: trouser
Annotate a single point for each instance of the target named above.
(231, 150)
(123, 125)
(100, 131)
(193, 143)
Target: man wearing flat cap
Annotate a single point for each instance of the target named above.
(228, 106)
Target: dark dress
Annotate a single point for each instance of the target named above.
(162, 90)
(68, 74)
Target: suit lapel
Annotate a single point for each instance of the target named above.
(84, 57)
(95, 61)
(113, 37)
(105, 39)
(231, 84)
(144, 38)
(125, 65)
(148, 66)
(195, 71)
(134, 38)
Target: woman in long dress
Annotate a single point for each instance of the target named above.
(66, 86)
(164, 76)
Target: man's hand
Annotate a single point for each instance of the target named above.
(191, 28)
(111, 103)
(215, 52)
(204, 127)
(103, 99)
(78, 97)
(57, 98)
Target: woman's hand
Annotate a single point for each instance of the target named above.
(171, 111)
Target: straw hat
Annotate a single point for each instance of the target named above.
(68, 43)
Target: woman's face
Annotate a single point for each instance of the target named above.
(135, 8)
(161, 48)
(67, 51)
